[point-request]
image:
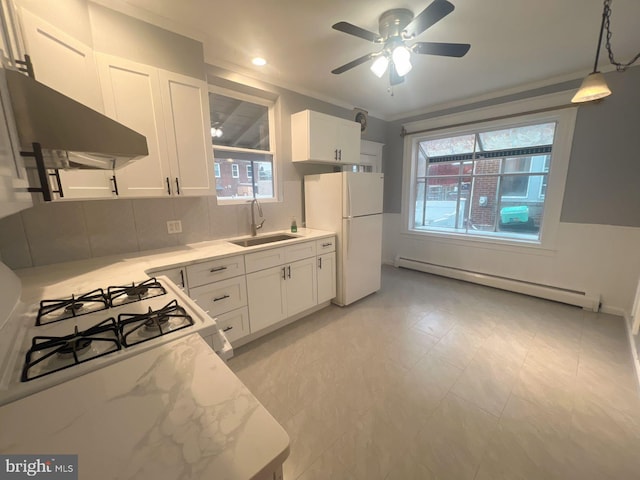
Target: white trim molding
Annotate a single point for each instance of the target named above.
(548, 109)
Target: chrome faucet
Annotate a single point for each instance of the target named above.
(255, 227)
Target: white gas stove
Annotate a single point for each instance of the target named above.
(59, 339)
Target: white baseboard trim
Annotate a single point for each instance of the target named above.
(632, 346)
(619, 312)
(580, 299)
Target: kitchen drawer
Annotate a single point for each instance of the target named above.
(215, 270)
(264, 259)
(299, 251)
(234, 324)
(221, 297)
(326, 245)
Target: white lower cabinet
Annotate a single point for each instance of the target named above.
(326, 277)
(267, 301)
(281, 292)
(234, 324)
(300, 286)
(176, 275)
(280, 283)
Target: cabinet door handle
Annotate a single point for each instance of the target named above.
(115, 185)
(182, 278)
(340, 154)
(56, 176)
(284, 273)
(227, 329)
(177, 186)
(168, 186)
(217, 269)
(324, 245)
(335, 154)
(320, 263)
(217, 299)
(289, 269)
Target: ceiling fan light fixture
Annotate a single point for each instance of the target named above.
(593, 87)
(402, 60)
(380, 65)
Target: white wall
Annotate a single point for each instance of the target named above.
(596, 259)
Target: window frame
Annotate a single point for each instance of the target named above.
(235, 170)
(557, 109)
(216, 169)
(271, 105)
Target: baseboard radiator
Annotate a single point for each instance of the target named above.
(571, 297)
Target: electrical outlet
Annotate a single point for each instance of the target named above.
(174, 226)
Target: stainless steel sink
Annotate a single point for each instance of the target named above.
(252, 241)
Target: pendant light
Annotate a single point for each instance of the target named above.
(594, 86)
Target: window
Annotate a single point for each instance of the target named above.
(489, 181)
(242, 133)
(543, 183)
(216, 168)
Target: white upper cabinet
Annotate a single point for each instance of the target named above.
(320, 138)
(188, 132)
(68, 66)
(132, 96)
(13, 178)
(61, 62)
(169, 110)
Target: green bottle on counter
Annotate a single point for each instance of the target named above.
(294, 225)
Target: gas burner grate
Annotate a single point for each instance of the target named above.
(48, 355)
(141, 327)
(122, 295)
(52, 311)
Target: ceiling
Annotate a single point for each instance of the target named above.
(515, 45)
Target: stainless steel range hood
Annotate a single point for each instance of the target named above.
(70, 134)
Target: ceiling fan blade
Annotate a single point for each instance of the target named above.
(394, 78)
(351, 29)
(351, 64)
(429, 16)
(443, 49)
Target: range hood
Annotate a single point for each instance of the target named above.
(70, 134)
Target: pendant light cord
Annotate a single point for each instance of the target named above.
(621, 67)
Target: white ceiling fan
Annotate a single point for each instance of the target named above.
(397, 28)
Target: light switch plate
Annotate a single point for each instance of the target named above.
(174, 226)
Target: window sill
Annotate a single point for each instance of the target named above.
(245, 200)
(534, 247)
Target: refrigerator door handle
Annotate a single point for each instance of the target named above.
(348, 198)
(348, 235)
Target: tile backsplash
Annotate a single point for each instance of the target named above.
(63, 231)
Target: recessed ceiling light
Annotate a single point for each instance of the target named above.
(259, 61)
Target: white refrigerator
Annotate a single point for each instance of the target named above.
(349, 204)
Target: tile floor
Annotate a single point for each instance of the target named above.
(432, 378)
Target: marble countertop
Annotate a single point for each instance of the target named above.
(80, 276)
(174, 412)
